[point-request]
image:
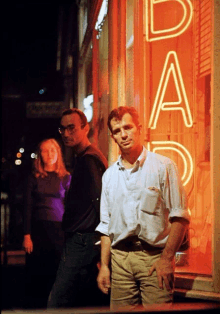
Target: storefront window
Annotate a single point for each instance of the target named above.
(178, 47)
(162, 57)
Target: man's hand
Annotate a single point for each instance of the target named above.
(165, 265)
(103, 279)
(165, 273)
(27, 244)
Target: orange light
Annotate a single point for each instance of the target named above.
(181, 150)
(171, 66)
(153, 35)
(18, 155)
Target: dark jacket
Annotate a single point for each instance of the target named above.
(82, 206)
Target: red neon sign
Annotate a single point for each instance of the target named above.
(175, 31)
(171, 69)
(171, 66)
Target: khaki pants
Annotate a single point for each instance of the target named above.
(130, 285)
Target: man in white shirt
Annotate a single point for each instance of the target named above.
(143, 219)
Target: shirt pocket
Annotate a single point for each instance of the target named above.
(150, 200)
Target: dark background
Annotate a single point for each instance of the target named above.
(28, 55)
(28, 64)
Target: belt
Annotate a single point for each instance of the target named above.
(72, 234)
(133, 243)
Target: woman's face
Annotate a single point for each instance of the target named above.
(49, 154)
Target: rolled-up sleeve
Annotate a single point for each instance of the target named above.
(104, 210)
(174, 194)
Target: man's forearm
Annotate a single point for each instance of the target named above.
(177, 232)
(103, 278)
(105, 250)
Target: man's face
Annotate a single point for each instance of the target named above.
(71, 130)
(125, 133)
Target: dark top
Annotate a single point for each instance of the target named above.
(45, 199)
(82, 206)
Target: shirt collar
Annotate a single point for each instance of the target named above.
(139, 162)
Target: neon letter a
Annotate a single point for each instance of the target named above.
(171, 66)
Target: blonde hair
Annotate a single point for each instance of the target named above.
(60, 168)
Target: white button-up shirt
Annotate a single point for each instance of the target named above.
(141, 201)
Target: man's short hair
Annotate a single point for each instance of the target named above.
(118, 113)
(77, 111)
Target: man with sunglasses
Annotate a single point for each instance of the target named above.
(75, 283)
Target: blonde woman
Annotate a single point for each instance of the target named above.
(43, 236)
